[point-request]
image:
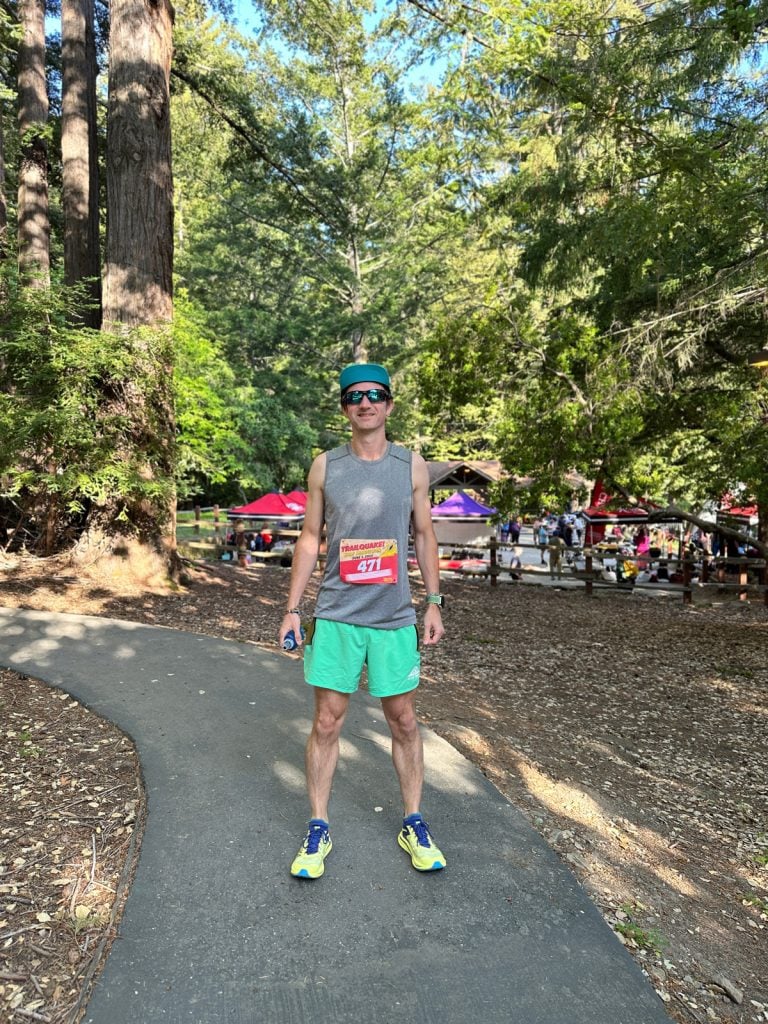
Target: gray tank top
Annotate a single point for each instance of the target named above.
(367, 500)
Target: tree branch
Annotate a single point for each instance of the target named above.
(658, 515)
(255, 147)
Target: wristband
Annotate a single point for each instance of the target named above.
(437, 599)
(293, 611)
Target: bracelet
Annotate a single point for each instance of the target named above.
(293, 611)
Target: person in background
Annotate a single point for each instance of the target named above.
(555, 547)
(516, 564)
(579, 525)
(515, 526)
(542, 539)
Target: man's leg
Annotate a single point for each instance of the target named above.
(415, 836)
(407, 749)
(323, 748)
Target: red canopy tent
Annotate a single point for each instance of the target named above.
(273, 506)
(598, 518)
(747, 515)
(300, 497)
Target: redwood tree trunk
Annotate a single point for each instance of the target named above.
(80, 175)
(138, 304)
(139, 261)
(34, 225)
(3, 203)
(3, 239)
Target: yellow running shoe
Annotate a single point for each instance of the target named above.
(416, 839)
(308, 862)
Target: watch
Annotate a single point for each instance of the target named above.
(436, 599)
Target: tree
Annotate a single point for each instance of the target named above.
(138, 303)
(624, 148)
(3, 202)
(79, 153)
(333, 194)
(33, 220)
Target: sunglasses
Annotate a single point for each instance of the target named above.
(374, 396)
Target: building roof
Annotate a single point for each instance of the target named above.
(473, 474)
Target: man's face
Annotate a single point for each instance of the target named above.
(367, 415)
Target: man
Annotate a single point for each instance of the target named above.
(367, 493)
(555, 548)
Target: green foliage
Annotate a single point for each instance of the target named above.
(332, 213)
(557, 245)
(208, 441)
(82, 419)
(233, 439)
(620, 155)
(644, 938)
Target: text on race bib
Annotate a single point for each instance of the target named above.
(368, 561)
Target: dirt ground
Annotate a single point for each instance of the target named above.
(630, 730)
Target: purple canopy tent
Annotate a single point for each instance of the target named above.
(461, 508)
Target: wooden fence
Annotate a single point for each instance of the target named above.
(688, 574)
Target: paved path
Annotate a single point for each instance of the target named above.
(215, 930)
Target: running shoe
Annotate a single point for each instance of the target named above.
(308, 862)
(416, 839)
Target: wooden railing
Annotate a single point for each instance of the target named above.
(216, 543)
(691, 574)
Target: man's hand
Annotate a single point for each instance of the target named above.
(291, 621)
(434, 630)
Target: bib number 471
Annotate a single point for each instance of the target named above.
(369, 564)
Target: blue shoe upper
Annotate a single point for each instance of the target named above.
(420, 828)
(317, 832)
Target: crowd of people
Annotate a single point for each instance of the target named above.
(255, 541)
(634, 552)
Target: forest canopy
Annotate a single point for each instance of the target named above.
(547, 218)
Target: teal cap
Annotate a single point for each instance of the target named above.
(356, 373)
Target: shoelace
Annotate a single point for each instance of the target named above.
(421, 829)
(314, 838)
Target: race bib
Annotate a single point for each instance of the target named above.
(368, 561)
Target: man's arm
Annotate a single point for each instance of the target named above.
(307, 547)
(425, 544)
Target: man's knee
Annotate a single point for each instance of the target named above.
(329, 717)
(401, 718)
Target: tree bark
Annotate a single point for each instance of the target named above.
(138, 302)
(79, 150)
(139, 260)
(3, 201)
(34, 224)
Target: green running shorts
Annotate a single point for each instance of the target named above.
(335, 653)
